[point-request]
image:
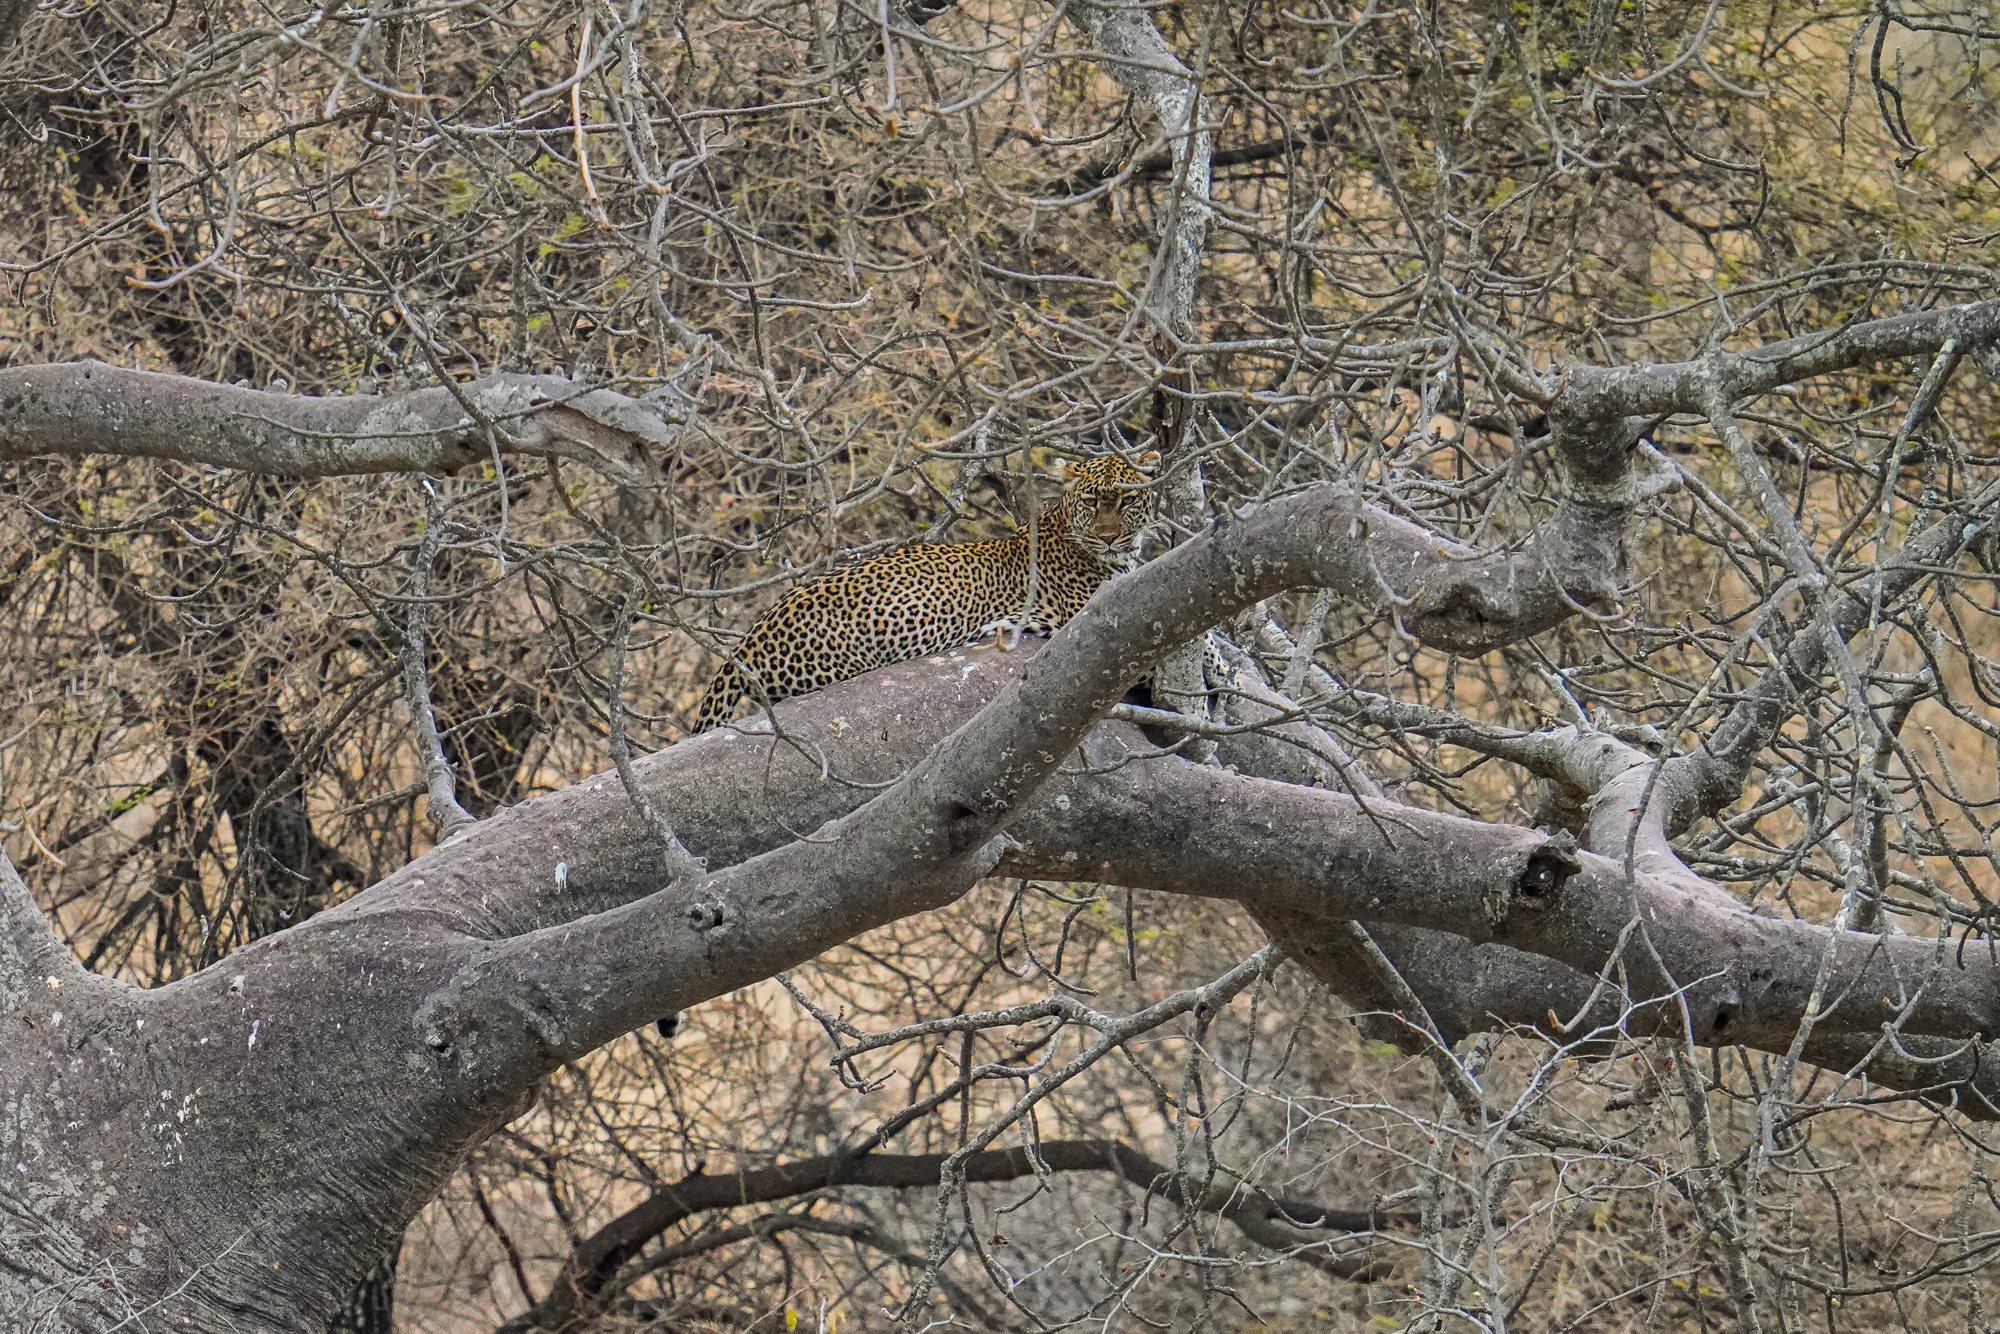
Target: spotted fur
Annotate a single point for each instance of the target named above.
(925, 599)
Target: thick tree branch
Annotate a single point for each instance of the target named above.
(543, 932)
(1598, 414)
(1710, 777)
(31, 958)
(1590, 393)
(336, 995)
(928, 834)
(1182, 828)
(1744, 977)
(88, 407)
(1470, 988)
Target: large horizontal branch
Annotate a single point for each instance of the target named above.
(298, 1030)
(1585, 392)
(1467, 988)
(1598, 414)
(1470, 987)
(924, 840)
(1744, 977)
(1189, 829)
(588, 1275)
(88, 407)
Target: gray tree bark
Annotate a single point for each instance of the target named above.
(237, 1149)
(90, 408)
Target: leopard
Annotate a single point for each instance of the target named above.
(929, 598)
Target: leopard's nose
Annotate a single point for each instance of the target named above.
(1108, 525)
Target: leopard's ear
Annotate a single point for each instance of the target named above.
(1147, 461)
(1063, 470)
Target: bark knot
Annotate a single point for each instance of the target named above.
(706, 917)
(1538, 882)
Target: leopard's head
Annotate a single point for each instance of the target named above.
(1107, 506)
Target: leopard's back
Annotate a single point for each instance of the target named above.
(920, 600)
